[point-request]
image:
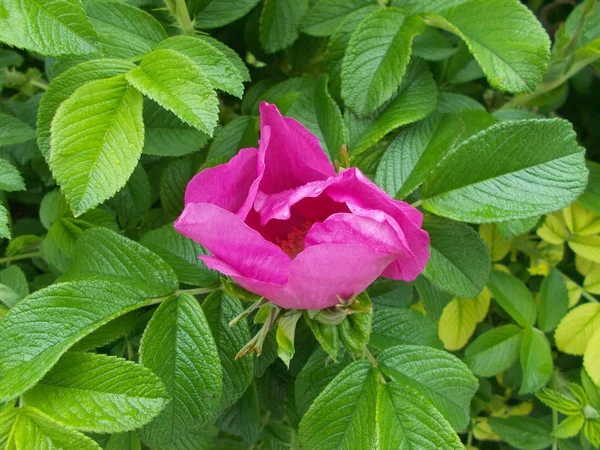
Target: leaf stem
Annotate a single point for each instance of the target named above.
(39, 84)
(584, 293)
(178, 9)
(9, 259)
(416, 204)
(197, 291)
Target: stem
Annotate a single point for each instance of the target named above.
(417, 203)
(10, 259)
(179, 10)
(584, 293)
(198, 291)
(470, 439)
(554, 425)
(39, 84)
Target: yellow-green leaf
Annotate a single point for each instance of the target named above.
(457, 323)
(576, 329)
(554, 229)
(498, 246)
(581, 221)
(591, 358)
(586, 246)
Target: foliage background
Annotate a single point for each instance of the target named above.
(115, 335)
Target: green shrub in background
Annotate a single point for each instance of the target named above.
(114, 335)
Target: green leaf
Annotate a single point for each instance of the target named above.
(434, 299)
(98, 393)
(415, 100)
(64, 85)
(4, 219)
(536, 361)
(507, 40)
(10, 177)
(14, 277)
(494, 351)
(433, 45)
(316, 374)
(325, 16)
(175, 82)
(286, 331)
(376, 58)
(124, 31)
(460, 318)
(181, 253)
(49, 27)
(220, 309)
(97, 139)
(408, 421)
(106, 255)
(440, 377)
(178, 346)
(569, 427)
(553, 302)
(460, 262)
(123, 441)
(393, 326)
(173, 183)
(241, 132)
(231, 54)
(558, 401)
(216, 13)
(514, 297)
(498, 246)
(513, 228)
(13, 131)
(66, 312)
(576, 329)
(500, 181)
(590, 199)
(591, 358)
(119, 328)
(58, 246)
(416, 151)
(243, 418)
(280, 22)
(523, 432)
(134, 200)
(343, 415)
(219, 70)
(27, 427)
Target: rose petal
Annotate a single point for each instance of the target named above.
(228, 238)
(294, 156)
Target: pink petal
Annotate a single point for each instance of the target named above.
(228, 238)
(294, 155)
(321, 273)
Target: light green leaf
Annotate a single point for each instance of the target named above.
(97, 139)
(494, 351)
(178, 346)
(500, 181)
(98, 393)
(27, 427)
(106, 255)
(394, 326)
(407, 421)
(58, 245)
(14, 131)
(120, 328)
(516, 227)
(497, 245)
(376, 58)
(216, 13)
(509, 43)
(576, 329)
(64, 85)
(175, 82)
(49, 27)
(123, 441)
(559, 401)
(460, 262)
(416, 150)
(13, 285)
(219, 70)
(220, 309)
(124, 31)
(569, 427)
(536, 361)
(285, 335)
(591, 358)
(181, 253)
(4, 219)
(553, 303)
(440, 377)
(66, 312)
(324, 16)
(514, 297)
(280, 23)
(343, 415)
(231, 54)
(10, 177)
(241, 132)
(415, 100)
(460, 318)
(523, 432)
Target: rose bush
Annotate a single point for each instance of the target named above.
(281, 223)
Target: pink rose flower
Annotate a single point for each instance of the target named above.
(281, 223)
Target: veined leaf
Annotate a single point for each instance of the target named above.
(514, 297)
(494, 351)
(280, 23)
(14, 131)
(393, 326)
(64, 85)
(123, 30)
(507, 40)
(228, 51)
(10, 177)
(586, 246)
(554, 301)
(324, 16)
(4, 219)
(591, 357)
(440, 377)
(216, 13)
(576, 329)
(241, 132)
(97, 139)
(408, 421)
(105, 255)
(496, 243)
(134, 200)
(460, 262)
(66, 312)
(536, 361)
(49, 27)
(28, 427)
(178, 346)
(98, 393)
(460, 318)
(174, 81)
(343, 415)
(525, 433)
(501, 182)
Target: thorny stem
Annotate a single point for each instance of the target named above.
(10, 259)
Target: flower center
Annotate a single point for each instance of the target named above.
(293, 243)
